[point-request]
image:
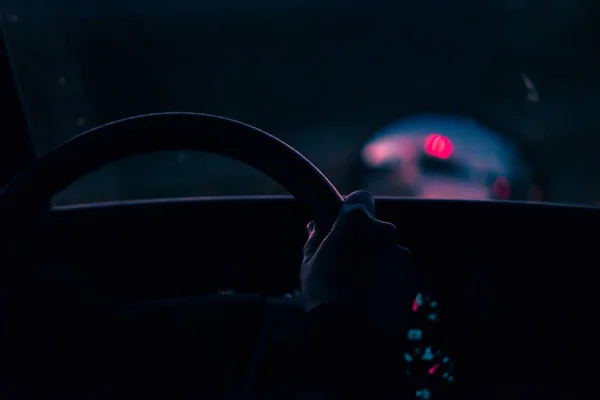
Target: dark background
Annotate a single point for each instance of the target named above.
(322, 75)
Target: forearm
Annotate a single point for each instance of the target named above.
(339, 352)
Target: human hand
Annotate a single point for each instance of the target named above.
(358, 263)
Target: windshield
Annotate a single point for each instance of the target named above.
(495, 99)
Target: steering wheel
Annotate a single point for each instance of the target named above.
(30, 191)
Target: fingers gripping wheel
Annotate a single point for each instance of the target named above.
(117, 140)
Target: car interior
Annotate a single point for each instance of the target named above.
(182, 297)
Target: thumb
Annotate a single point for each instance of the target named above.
(357, 212)
(361, 198)
(313, 241)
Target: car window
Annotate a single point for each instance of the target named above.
(505, 91)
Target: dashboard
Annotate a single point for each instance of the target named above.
(509, 308)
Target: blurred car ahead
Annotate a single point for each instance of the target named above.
(449, 157)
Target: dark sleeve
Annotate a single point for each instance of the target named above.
(338, 351)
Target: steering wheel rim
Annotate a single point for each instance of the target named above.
(150, 133)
